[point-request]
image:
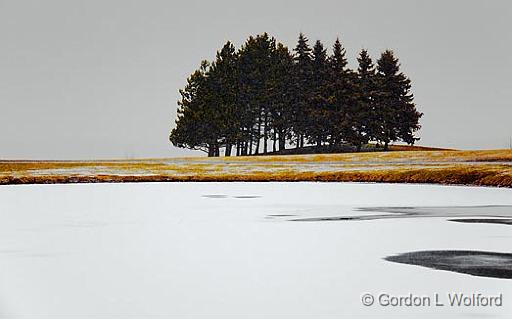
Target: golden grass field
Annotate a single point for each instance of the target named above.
(426, 165)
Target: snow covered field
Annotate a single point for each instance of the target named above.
(249, 250)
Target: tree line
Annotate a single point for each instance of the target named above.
(264, 97)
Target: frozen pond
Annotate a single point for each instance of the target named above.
(251, 250)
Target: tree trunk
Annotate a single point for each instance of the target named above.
(274, 139)
(386, 143)
(265, 134)
(227, 153)
(249, 150)
(243, 148)
(282, 141)
(258, 137)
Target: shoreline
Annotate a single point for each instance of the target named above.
(470, 168)
(137, 180)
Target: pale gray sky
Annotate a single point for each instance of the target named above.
(100, 79)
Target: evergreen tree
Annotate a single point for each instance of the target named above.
(366, 119)
(302, 92)
(317, 108)
(282, 98)
(366, 69)
(396, 113)
(223, 76)
(338, 61)
(255, 63)
(340, 97)
(367, 93)
(264, 93)
(195, 129)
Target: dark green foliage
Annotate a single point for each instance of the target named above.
(263, 93)
(193, 127)
(347, 116)
(282, 98)
(367, 120)
(317, 107)
(302, 88)
(395, 111)
(337, 60)
(255, 65)
(223, 76)
(341, 96)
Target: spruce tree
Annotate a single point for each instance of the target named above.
(282, 96)
(366, 86)
(302, 75)
(338, 61)
(224, 81)
(255, 65)
(263, 92)
(317, 108)
(195, 129)
(340, 97)
(397, 116)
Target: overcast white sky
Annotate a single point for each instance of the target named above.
(100, 79)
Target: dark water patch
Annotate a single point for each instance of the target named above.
(345, 218)
(475, 263)
(492, 211)
(215, 196)
(444, 211)
(500, 221)
(247, 196)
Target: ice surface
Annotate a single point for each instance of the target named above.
(233, 250)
